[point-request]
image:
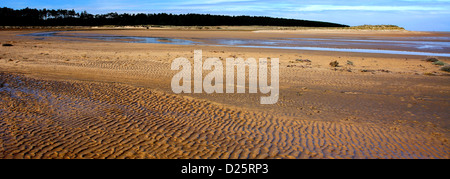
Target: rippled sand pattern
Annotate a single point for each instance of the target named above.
(73, 119)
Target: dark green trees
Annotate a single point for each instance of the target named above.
(62, 17)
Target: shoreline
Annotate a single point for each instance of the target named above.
(376, 43)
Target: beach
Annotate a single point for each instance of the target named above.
(72, 97)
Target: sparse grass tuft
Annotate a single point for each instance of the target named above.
(440, 63)
(302, 60)
(364, 70)
(446, 68)
(431, 59)
(334, 63)
(349, 62)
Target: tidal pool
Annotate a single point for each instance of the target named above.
(402, 46)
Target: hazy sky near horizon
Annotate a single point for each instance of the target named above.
(423, 15)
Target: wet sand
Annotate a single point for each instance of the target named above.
(94, 99)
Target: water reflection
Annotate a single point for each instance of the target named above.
(115, 38)
(404, 46)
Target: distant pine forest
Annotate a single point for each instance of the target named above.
(62, 17)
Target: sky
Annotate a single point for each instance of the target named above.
(420, 15)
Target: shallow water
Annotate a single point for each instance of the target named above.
(423, 46)
(356, 50)
(391, 46)
(115, 38)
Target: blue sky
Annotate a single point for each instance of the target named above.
(423, 15)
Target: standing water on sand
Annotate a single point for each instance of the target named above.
(402, 46)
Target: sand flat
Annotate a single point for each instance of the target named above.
(94, 99)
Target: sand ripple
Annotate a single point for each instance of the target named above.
(73, 119)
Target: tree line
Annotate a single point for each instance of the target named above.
(62, 17)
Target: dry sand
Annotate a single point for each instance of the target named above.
(91, 99)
